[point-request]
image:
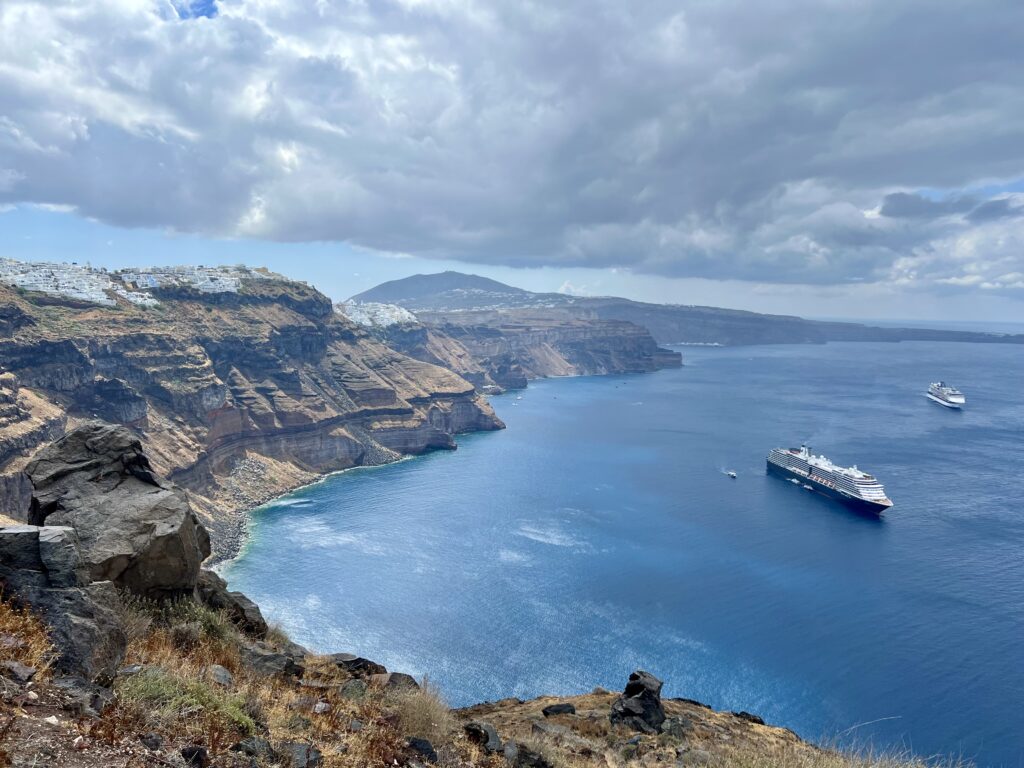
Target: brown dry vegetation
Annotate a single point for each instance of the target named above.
(23, 638)
(174, 695)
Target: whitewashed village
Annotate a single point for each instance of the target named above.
(98, 286)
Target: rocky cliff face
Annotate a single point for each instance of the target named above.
(503, 349)
(236, 396)
(534, 343)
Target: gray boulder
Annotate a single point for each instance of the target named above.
(242, 611)
(41, 568)
(639, 707)
(267, 661)
(356, 666)
(132, 529)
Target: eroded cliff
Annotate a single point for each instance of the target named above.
(237, 396)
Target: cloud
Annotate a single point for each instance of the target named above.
(793, 141)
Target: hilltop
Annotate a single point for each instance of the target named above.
(456, 298)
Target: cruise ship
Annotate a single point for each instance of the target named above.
(849, 485)
(943, 394)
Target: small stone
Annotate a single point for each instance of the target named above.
(484, 735)
(220, 675)
(356, 665)
(11, 643)
(355, 726)
(321, 708)
(255, 747)
(300, 755)
(152, 741)
(423, 748)
(353, 689)
(52, 720)
(395, 681)
(131, 669)
(749, 718)
(32, 696)
(195, 756)
(559, 709)
(79, 743)
(677, 727)
(15, 670)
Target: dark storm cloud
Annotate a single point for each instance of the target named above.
(1000, 208)
(903, 205)
(778, 141)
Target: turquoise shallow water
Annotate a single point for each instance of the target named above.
(599, 533)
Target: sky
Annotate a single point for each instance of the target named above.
(839, 158)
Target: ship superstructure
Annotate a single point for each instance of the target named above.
(944, 394)
(849, 485)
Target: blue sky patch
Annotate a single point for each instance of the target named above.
(193, 9)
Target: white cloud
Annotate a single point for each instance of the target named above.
(762, 142)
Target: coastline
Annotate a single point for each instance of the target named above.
(233, 534)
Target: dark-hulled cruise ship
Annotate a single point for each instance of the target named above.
(849, 485)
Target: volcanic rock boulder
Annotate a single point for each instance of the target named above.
(133, 529)
(639, 706)
(41, 567)
(214, 592)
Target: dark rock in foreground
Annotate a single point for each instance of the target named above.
(639, 707)
(132, 529)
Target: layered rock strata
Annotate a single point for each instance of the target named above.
(237, 397)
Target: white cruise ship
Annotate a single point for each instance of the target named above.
(943, 394)
(846, 484)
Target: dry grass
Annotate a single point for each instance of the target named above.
(423, 713)
(175, 697)
(23, 638)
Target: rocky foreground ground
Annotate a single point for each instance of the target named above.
(118, 649)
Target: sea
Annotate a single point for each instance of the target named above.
(600, 533)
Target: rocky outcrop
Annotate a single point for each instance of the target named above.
(214, 592)
(514, 345)
(639, 707)
(236, 397)
(42, 567)
(133, 530)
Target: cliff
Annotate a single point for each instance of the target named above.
(118, 649)
(238, 396)
(504, 348)
(448, 295)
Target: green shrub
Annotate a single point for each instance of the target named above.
(171, 699)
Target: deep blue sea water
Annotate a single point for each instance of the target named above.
(599, 533)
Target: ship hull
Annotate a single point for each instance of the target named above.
(947, 403)
(860, 505)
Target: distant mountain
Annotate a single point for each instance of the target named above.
(447, 290)
(447, 297)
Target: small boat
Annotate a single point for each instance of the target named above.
(808, 487)
(794, 481)
(731, 474)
